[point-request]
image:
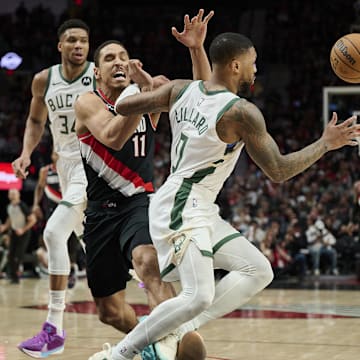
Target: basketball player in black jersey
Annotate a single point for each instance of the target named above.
(118, 155)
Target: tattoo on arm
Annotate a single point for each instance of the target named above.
(265, 152)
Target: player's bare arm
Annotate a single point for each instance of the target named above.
(39, 191)
(146, 82)
(158, 100)
(263, 149)
(92, 115)
(139, 76)
(193, 37)
(35, 123)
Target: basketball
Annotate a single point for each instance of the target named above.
(345, 58)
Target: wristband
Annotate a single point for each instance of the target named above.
(129, 90)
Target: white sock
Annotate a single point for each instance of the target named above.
(56, 309)
(124, 351)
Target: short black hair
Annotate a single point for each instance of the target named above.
(70, 24)
(228, 45)
(101, 46)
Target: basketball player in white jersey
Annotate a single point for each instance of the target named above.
(118, 196)
(210, 126)
(54, 91)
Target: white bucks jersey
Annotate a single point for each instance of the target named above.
(197, 153)
(60, 96)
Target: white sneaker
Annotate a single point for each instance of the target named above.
(166, 348)
(316, 272)
(105, 354)
(335, 271)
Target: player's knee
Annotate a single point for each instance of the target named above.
(199, 301)
(144, 259)
(265, 272)
(50, 236)
(110, 315)
(106, 317)
(199, 305)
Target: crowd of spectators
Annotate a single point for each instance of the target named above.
(275, 217)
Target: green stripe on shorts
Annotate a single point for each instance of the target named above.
(224, 241)
(182, 195)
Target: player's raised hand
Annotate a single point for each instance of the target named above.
(138, 75)
(194, 32)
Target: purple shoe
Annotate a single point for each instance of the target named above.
(46, 342)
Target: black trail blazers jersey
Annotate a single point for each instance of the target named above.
(115, 174)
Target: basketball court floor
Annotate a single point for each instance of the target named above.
(319, 320)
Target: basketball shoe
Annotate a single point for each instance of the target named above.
(46, 342)
(104, 354)
(149, 353)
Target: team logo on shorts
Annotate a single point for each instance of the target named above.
(86, 80)
(178, 242)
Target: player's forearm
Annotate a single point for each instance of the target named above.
(200, 64)
(296, 162)
(155, 101)
(118, 131)
(38, 194)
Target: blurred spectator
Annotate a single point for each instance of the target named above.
(19, 222)
(321, 244)
(255, 233)
(4, 250)
(296, 246)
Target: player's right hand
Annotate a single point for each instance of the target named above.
(20, 166)
(139, 76)
(194, 32)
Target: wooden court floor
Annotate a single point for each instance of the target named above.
(277, 324)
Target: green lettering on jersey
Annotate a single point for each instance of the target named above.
(193, 117)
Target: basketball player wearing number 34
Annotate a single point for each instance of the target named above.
(210, 126)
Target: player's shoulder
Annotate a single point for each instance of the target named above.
(178, 86)
(40, 82)
(42, 76)
(244, 112)
(180, 83)
(245, 107)
(86, 99)
(87, 96)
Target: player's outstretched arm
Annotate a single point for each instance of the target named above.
(158, 100)
(263, 149)
(193, 37)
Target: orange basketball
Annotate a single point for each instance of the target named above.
(345, 58)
